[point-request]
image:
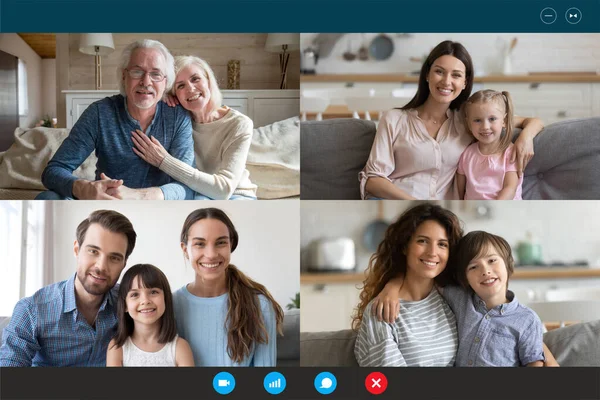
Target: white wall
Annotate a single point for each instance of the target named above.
(534, 52)
(49, 87)
(268, 249)
(567, 230)
(13, 44)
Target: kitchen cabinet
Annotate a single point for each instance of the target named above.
(328, 300)
(262, 106)
(549, 101)
(327, 307)
(551, 97)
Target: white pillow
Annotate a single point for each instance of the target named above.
(21, 166)
(274, 159)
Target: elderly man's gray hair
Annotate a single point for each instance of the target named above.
(146, 44)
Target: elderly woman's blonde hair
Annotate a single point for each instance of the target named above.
(216, 97)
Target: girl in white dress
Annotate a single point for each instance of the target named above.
(146, 335)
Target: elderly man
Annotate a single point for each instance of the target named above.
(71, 323)
(145, 73)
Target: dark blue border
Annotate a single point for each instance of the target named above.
(140, 16)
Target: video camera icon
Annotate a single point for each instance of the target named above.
(223, 383)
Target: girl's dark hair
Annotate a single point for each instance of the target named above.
(446, 48)
(245, 325)
(149, 277)
(389, 260)
(474, 245)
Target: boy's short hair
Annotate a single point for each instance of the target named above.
(472, 246)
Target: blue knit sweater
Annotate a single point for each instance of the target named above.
(105, 127)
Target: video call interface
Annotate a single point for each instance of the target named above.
(356, 215)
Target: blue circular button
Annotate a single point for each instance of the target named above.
(274, 383)
(573, 15)
(548, 15)
(223, 383)
(325, 383)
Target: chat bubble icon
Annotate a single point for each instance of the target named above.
(326, 383)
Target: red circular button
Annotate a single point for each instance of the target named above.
(376, 383)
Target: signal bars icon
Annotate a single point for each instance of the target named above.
(275, 384)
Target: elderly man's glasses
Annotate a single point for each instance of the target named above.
(139, 74)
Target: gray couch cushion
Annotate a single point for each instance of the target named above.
(332, 153)
(566, 164)
(288, 345)
(576, 345)
(327, 349)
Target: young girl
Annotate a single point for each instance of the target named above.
(494, 329)
(146, 335)
(485, 170)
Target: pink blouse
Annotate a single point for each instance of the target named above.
(404, 153)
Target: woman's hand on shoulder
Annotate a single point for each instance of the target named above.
(183, 353)
(386, 306)
(523, 151)
(171, 100)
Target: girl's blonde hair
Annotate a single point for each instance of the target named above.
(216, 97)
(501, 99)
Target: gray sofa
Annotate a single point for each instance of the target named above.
(288, 345)
(566, 164)
(573, 346)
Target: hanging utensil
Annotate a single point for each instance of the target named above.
(381, 47)
(363, 52)
(349, 55)
(375, 231)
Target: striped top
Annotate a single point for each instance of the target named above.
(202, 322)
(423, 335)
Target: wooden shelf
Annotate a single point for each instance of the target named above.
(397, 78)
(520, 273)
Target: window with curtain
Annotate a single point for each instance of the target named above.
(22, 231)
(23, 99)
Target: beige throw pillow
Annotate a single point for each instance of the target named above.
(274, 159)
(21, 166)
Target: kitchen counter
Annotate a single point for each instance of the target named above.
(398, 78)
(520, 273)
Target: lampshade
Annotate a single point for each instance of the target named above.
(276, 40)
(89, 41)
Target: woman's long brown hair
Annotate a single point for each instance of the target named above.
(389, 260)
(245, 325)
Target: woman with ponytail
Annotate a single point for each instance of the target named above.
(228, 319)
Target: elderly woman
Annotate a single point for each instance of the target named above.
(222, 138)
(417, 147)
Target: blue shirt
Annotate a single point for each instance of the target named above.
(508, 335)
(105, 127)
(202, 322)
(47, 330)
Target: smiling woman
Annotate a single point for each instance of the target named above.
(417, 247)
(229, 319)
(222, 138)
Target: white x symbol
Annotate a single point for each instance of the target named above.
(375, 382)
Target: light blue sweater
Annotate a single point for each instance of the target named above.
(201, 321)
